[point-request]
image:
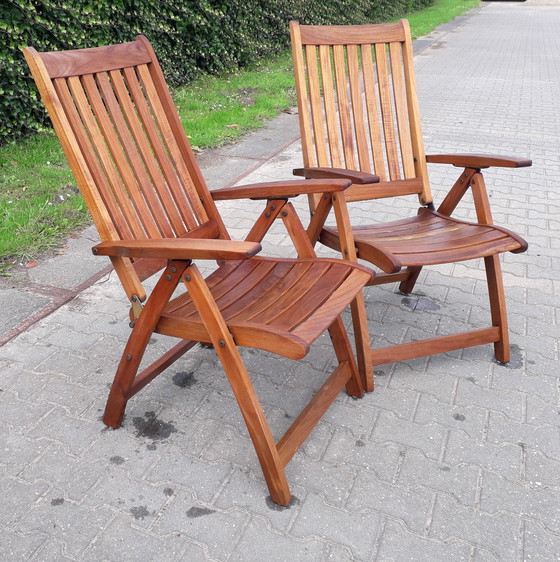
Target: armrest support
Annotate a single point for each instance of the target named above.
(279, 189)
(337, 173)
(179, 249)
(478, 160)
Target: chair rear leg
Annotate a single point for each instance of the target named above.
(498, 310)
(407, 286)
(343, 351)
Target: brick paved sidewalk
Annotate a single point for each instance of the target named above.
(454, 457)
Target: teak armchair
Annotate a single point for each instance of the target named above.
(359, 119)
(130, 155)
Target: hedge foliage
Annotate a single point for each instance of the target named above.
(190, 37)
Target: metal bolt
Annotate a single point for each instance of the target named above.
(334, 197)
(173, 270)
(128, 357)
(94, 251)
(284, 213)
(267, 214)
(272, 207)
(222, 343)
(345, 252)
(168, 277)
(187, 278)
(133, 298)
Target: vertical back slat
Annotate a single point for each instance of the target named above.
(188, 193)
(373, 113)
(166, 217)
(316, 106)
(80, 132)
(106, 160)
(330, 108)
(384, 86)
(358, 108)
(132, 198)
(401, 105)
(170, 179)
(302, 97)
(140, 186)
(344, 106)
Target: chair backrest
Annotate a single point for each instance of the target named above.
(123, 138)
(357, 104)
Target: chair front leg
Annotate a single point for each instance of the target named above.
(251, 410)
(137, 342)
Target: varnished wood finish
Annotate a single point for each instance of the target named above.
(359, 119)
(129, 152)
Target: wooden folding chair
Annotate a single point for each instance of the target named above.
(359, 119)
(123, 138)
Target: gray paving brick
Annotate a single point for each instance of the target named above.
(398, 544)
(531, 502)
(71, 524)
(274, 546)
(539, 543)
(510, 402)
(497, 533)
(57, 468)
(354, 530)
(426, 437)
(247, 491)
(381, 458)
(122, 541)
(413, 506)
(15, 546)
(543, 438)
(469, 419)
(218, 531)
(502, 458)
(20, 414)
(17, 498)
(460, 481)
(17, 451)
(202, 478)
(140, 500)
(62, 428)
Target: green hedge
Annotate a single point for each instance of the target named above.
(190, 37)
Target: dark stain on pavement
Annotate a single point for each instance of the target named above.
(149, 426)
(194, 512)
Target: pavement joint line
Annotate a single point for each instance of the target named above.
(65, 296)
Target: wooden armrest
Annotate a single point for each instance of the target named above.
(334, 173)
(478, 160)
(179, 249)
(279, 189)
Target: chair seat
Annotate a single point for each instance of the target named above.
(291, 301)
(428, 238)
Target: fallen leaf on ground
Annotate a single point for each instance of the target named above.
(32, 264)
